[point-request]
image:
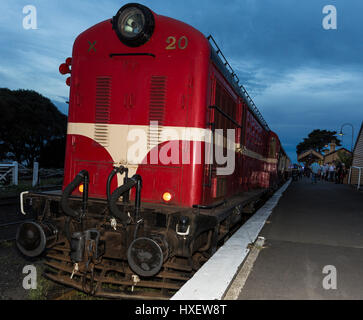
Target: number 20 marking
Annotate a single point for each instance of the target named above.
(171, 41)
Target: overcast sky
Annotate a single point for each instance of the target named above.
(301, 76)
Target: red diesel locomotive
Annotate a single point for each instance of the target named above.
(145, 200)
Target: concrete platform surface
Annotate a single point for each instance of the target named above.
(312, 227)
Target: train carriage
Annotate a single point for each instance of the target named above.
(166, 154)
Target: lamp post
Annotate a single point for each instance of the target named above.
(341, 133)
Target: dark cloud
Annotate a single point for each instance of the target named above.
(301, 76)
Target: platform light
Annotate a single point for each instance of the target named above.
(167, 196)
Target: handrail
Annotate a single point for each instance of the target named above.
(350, 175)
(242, 89)
(22, 202)
(226, 63)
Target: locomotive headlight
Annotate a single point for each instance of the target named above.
(131, 22)
(134, 24)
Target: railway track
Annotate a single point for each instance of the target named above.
(59, 292)
(67, 295)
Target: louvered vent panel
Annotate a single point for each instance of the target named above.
(102, 116)
(156, 108)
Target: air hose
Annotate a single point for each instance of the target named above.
(135, 180)
(82, 176)
(116, 170)
(116, 195)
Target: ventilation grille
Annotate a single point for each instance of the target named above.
(156, 109)
(102, 115)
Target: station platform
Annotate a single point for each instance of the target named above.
(313, 226)
(305, 237)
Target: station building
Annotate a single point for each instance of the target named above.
(357, 164)
(332, 154)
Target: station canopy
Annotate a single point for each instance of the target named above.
(310, 155)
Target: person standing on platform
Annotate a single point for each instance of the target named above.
(307, 170)
(331, 172)
(315, 168)
(301, 172)
(344, 173)
(325, 171)
(339, 175)
(338, 171)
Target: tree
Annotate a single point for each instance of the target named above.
(28, 122)
(317, 140)
(52, 154)
(345, 158)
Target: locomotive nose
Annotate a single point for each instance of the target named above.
(32, 238)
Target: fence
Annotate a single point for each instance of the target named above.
(359, 175)
(9, 168)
